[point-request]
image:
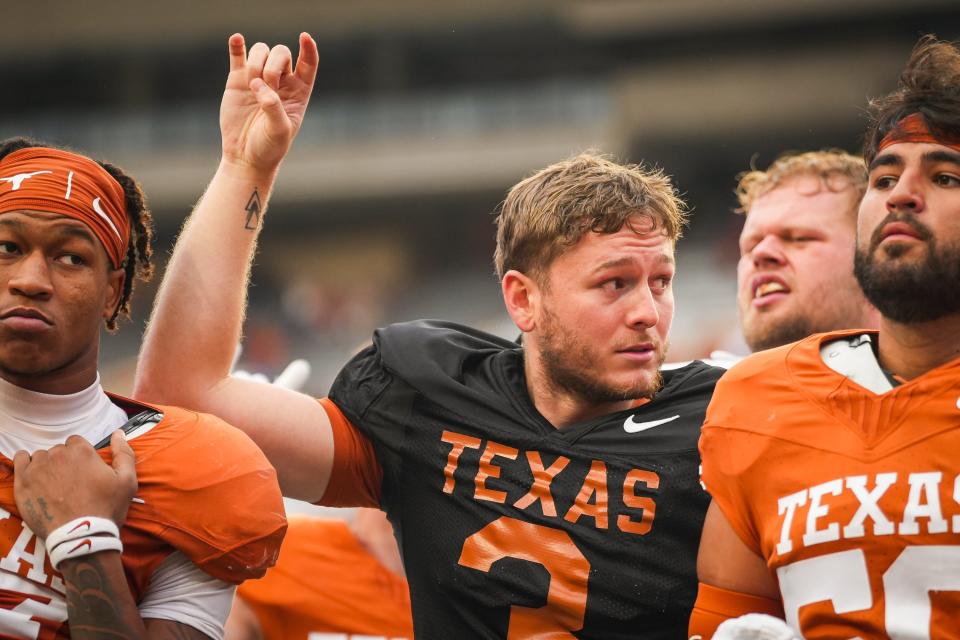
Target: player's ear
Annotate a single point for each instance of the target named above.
(115, 280)
(521, 295)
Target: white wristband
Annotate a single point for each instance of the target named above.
(81, 528)
(83, 547)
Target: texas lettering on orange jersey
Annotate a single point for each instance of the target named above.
(204, 490)
(592, 500)
(851, 496)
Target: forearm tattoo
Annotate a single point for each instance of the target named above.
(99, 605)
(253, 209)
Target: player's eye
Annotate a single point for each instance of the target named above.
(748, 245)
(8, 248)
(946, 180)
(662, 283)
(72, 260)
(613, 284)
(884, 182)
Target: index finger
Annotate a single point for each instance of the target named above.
(238, 52)
(308, 60)
(20, 461)
(120, 448)
(124, 458)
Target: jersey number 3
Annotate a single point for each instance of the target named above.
(554, 550)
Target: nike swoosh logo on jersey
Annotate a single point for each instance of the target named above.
(636, 427)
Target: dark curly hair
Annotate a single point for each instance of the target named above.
(929, 85)
(136, 264)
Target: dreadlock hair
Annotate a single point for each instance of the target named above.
(136, 264)
(929, 85)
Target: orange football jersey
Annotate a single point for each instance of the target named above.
(325, 582)
(851, 497)
(204, 489)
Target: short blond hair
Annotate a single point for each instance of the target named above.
(827, 164)
(552, 210)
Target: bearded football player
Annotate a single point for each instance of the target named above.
(544, 491)
(86, 552)
(835, 487)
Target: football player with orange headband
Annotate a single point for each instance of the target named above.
(85, 550)
(836, 487)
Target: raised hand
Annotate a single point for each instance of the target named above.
(265, 100)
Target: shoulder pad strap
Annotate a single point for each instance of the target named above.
(141, 419)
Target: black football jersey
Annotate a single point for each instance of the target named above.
(511, 528)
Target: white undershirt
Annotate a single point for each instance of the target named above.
(31, 421)
(35, 421)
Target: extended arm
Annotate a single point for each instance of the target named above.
(734, 580)
(197, 319)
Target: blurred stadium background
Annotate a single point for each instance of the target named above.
(426, 111)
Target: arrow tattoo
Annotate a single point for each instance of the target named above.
(253, 211)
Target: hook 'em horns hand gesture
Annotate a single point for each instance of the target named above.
(265, 100)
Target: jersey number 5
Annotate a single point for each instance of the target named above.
(555, 551)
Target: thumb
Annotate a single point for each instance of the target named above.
(124, 459)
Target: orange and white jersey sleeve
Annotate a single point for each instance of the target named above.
(851, 497)
(326, 582)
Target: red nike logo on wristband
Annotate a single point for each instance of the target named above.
(82, 542)
(85, 523)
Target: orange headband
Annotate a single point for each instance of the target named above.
(913, 128)
(45, 179)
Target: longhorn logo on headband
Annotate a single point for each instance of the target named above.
(18, 179)
(74, 186)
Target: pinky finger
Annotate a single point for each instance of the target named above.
(238, 52)
(308, 60)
